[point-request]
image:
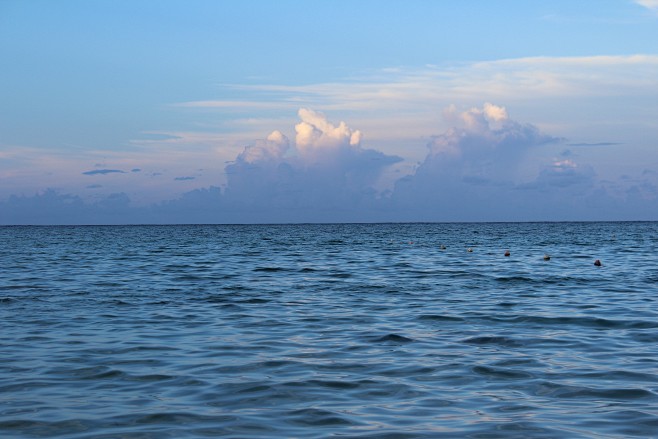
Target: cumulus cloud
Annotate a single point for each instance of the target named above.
(270, 150)
(325, 168)
(316, 134)
(469, 175)
(470, 169)
(326, 174)
(483, 142)
(531, 83)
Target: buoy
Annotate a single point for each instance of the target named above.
(547, 258)
(443, 247)
(507, 253)
(470, 250)
(597, 263)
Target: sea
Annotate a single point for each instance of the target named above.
(330, 331)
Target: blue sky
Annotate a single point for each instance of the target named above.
(289, 111)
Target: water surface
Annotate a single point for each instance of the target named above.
(329, 331)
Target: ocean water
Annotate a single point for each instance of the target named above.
(314, 331)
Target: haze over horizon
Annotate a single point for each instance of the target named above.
(359, 111)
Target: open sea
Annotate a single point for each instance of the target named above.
(333, 330)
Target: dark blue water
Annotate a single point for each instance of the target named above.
(329, 331)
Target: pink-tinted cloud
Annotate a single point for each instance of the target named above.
(325, 168)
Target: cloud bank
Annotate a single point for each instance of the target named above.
(325, 174)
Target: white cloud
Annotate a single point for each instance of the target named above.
(314, 159)
(573, 96)
(649, 4)
(510, 78)
(483, 139)
(316, 134)
(564, 164)
(325, 168)
(270, 150)
(494, 113)
(475, 120)
(471, 168)
(326, 175)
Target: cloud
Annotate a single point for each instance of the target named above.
(315, 133)
(595, 144)
(470, 170)
(563, 174)
(396, 108)
(114, 202)
(135, 170)
(408, 89)
(103, 172)
(483, 142)
(52, 207)
(234, 104)
(326, 174)
(649, 4)
(325, 171)
(270, 150)
(199, 206)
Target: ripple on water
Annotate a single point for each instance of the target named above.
(329, 330)
(390, 338)
(566, 391)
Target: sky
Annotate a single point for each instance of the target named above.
(163, 111)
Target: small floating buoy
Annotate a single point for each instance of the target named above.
(443, 247)
(547, 258)
(597, 263)
(470, 250)
(507, 253)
